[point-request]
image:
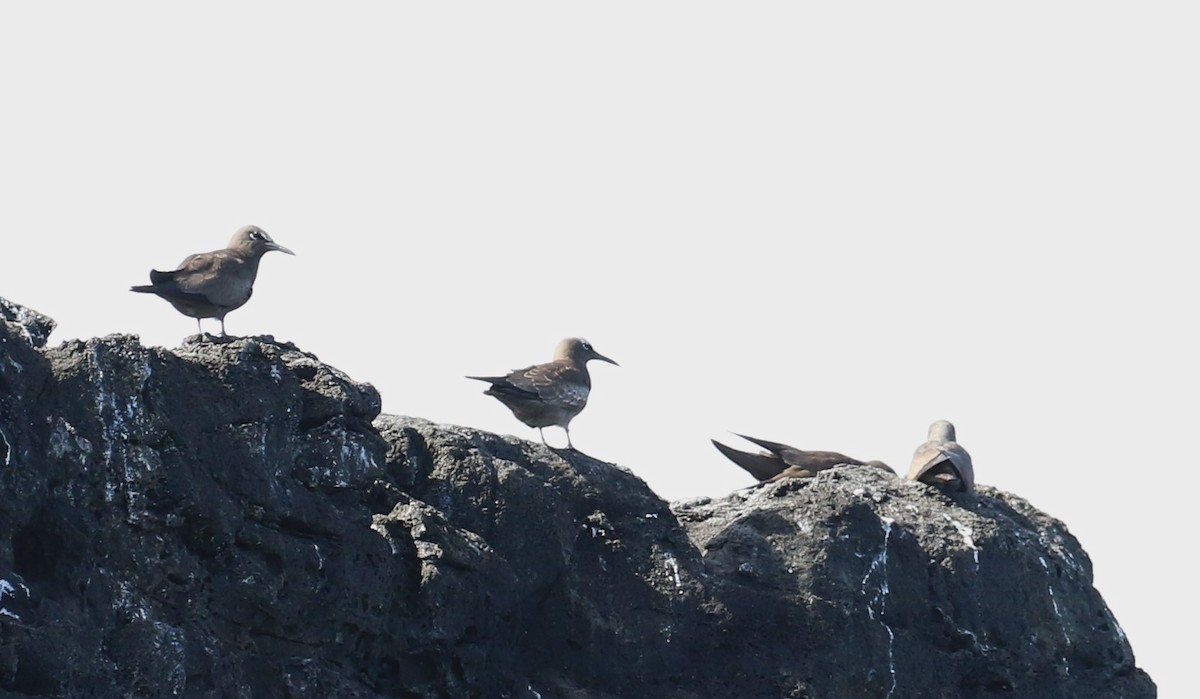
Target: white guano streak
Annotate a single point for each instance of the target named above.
(879, 563)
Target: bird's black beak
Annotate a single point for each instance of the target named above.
(280, 248)
(601, 357)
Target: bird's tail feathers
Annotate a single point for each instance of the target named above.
(775, 447)
(761, 466)
(501, 388)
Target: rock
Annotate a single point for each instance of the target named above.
(233, 518)
(910, 590)
(33, 326)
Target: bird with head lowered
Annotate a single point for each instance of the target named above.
(777, 461)
(941, 461)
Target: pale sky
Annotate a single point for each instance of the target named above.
(822, 225)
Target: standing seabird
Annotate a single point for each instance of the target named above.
(941, 461)
(778, 461)
(548, 394)
(211, 284)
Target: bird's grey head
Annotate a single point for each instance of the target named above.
(942, 431)
(579, 350)
(255, 240)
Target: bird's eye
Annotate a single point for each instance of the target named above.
(587, 347)
(255, 235)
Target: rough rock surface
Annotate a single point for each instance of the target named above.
(234, 518)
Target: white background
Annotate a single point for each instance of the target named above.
(823, 225)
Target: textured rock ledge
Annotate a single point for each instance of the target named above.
(235, 518)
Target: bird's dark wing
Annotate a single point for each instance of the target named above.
(761, 466)
(962, 463)
(808, 460)
(220, 276)
(773, 447)
(502, 386)
(924, 458)
(942, 461)
(558, 382)
(198, 266)
(172, 287)
(816, 460)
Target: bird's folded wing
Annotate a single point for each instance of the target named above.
(214, 275)
(570, 396)
(503, 386)
(962, 464)
(816, 460)
(934, 455)
(761, 466)
(554, 382)
(775, 447)
(924, 458)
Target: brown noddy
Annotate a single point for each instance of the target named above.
(941, 461)
(548, 394)
(211, 284)
(778, 461)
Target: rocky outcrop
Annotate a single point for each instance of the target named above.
(233, 518)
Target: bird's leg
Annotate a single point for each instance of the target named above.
(199, 329)
(543, 436)
(223, 326)
(568, 431)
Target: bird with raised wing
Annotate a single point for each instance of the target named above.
(941, 461)
(778, 461)
(548, 394)
(211, 284)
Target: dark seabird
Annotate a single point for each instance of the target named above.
(778, 461)
(548, 394)
(942, 462)
(211, 284)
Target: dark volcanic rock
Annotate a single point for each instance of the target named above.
(609, 594)
(906, 592)
(234, 519)
(34, 327)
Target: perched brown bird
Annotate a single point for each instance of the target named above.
(211, 284)
(778, 461)
(942, 462)
(548, 394)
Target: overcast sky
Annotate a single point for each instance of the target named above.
(822, 225)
